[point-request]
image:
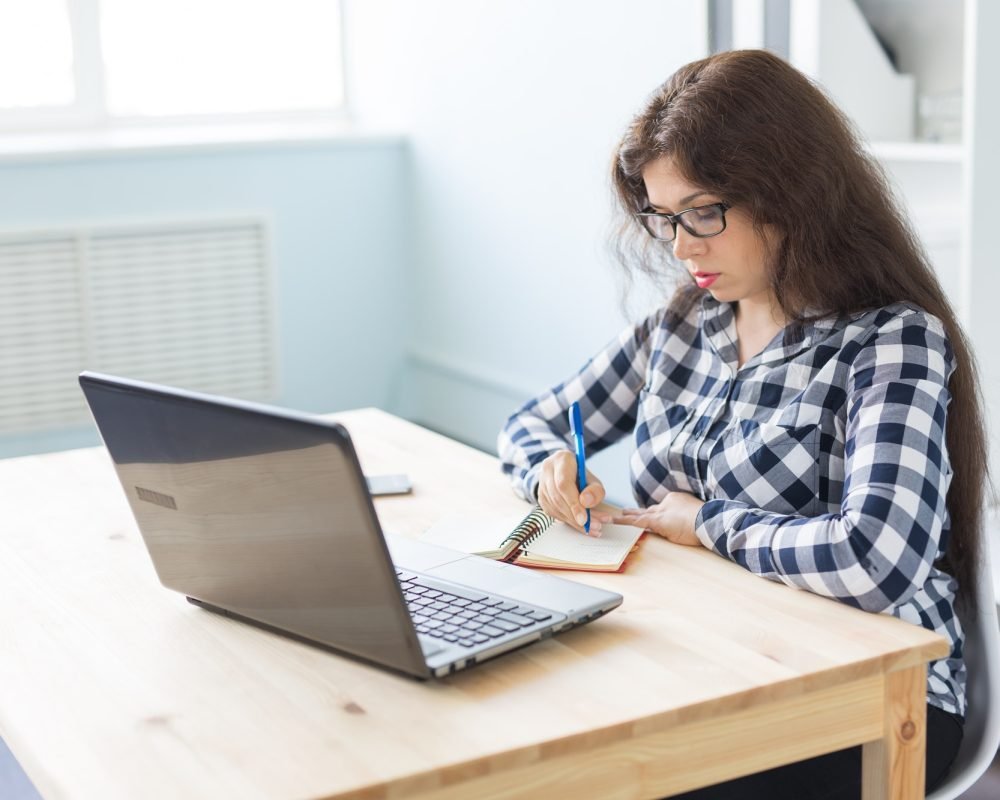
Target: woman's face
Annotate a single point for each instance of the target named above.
(731, 265)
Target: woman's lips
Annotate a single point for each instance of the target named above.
(705, 279)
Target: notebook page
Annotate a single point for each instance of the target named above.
(482, 533)
(563, 543)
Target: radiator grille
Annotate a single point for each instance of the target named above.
(185, 304)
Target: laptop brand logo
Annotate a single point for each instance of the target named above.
(156, 498)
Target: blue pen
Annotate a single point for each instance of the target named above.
(576, 427)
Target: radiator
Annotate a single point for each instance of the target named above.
(185, 303)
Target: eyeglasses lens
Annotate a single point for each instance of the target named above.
(706, 221)
(659, 227)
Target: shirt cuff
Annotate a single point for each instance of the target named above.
(528, 485)
(710, 526)
(716, 521)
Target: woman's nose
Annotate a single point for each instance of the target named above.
(686, 245)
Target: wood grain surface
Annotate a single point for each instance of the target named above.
(114, 687)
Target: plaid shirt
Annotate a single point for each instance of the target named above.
(822, 459)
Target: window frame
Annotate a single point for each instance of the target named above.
(89, 111)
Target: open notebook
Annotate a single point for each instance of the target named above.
(536, 540)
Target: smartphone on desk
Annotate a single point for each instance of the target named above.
(389, 483)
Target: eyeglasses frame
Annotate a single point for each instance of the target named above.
(674, 219)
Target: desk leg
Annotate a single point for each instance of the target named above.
(893, 766)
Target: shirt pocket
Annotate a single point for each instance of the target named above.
(768, 466)
(661, 418)
(657, 462)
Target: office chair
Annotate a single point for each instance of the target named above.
(982, 661)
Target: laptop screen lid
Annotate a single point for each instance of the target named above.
(259, 512)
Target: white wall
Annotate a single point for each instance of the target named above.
(512, 109)
(335, 270)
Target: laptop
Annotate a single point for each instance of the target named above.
(264, 515)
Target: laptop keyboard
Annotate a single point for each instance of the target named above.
(461, 615)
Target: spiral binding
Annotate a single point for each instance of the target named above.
(529, 529)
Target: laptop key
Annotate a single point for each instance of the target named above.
(465, 612)
(479, 638)
(449, 637)
(460, 591)
(466, 642)
(517, 619)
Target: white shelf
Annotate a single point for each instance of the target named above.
(927, 152)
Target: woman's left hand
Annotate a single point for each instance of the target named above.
(673, 517)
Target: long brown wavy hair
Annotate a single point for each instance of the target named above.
(750, 128)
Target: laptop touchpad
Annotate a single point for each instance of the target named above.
(416, 555)
(484, 574)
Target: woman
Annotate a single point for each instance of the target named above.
(806, 403)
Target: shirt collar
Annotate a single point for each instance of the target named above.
(719, 326)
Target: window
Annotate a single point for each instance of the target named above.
(93, 63)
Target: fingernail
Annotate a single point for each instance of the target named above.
(581, 519)
(585, 497)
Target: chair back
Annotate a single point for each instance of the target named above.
(982, 662)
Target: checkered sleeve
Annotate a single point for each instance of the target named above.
(607, 388)
(892, 524)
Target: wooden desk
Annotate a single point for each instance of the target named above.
(113, 687)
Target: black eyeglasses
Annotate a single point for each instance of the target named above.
(700, 221)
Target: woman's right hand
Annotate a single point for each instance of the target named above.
(559, 497)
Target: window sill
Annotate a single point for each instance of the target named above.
(144, 141)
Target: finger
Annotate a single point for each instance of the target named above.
(547, 493)
(543, 500)
(631, 511)
(636, 520)
(566, 488)
(555, 506)
(549, 505)
(593, 493)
